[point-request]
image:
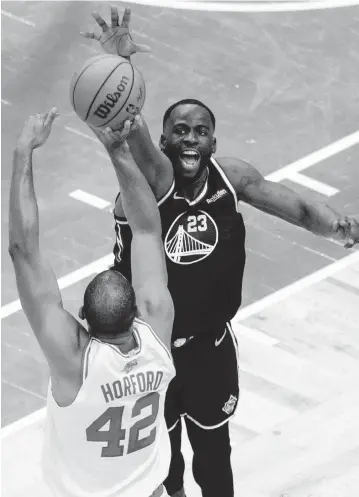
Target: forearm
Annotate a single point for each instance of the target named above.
(322, 220)
(138, 202)
(23, 215)
(145, 152)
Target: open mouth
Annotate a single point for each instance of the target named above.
(190, 158)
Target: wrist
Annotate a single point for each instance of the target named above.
(122, 155)
(24, 147)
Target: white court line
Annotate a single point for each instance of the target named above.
(254, 335)
(297, 286)
(315, 157)
(17, 18)
(254, 6)
(102, 155)
(68, 280)
(313, 184)
(244, 313)
(5, 102)
(89, 199)
(80, 133)
(23, 423)
(104, 262)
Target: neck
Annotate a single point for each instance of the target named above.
(125, 342)
(191, 187)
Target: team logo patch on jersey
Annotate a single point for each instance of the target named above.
(129, 366)
(230, 405)
(191, 238)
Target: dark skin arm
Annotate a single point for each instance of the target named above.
(149, 272)
(155, 166)
(59, 334)
(278, 200)
(251, 187)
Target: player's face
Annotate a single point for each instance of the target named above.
(188, 139)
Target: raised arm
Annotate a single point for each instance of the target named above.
(56, 330)
(115, 39)
(280, 201)
(149, 273)
(153, 163)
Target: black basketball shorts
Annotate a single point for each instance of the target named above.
(206, 386)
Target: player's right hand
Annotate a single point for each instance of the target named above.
(116, 39)
(115, 140)
(36, 129)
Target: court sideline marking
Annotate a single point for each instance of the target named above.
(242, 314)
(247, 6)
(282, 173)
(17, 18)
(66, 281)
(290, 172)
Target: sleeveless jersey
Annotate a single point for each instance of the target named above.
(205, 252)
(112, 441)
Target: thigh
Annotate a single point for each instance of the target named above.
(217, 439)
(211, 392)
(173, 405)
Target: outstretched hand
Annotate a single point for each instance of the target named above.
(37, 129)
(115, 140)
(116, 39)
(349, 231)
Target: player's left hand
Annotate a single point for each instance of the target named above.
(349, 231)
(116, 39)
(36, 129)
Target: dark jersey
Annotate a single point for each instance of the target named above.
(205, 254)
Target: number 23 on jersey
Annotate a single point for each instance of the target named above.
(197, 223)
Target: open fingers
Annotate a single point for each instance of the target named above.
(100, 21)
(126, 129)
(119, 134)
(126, 18)
(114, 17)
(50, 116)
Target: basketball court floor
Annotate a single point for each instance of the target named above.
(284, 88)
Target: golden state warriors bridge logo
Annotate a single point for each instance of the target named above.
(191, 237)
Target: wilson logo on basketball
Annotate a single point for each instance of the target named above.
(104, 109)
(191, 238)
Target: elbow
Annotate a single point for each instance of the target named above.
(305, 216)
(310, 218)
(16, 250)
(13, 248)
(154, 229)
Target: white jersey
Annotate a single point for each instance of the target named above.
(112, 441)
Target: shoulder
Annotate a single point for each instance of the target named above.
(158, 313)
(239, 173)
(65, 344)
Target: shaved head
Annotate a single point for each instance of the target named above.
(109, 304)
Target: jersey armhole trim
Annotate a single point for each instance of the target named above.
(85, 361)
(122, 220)
(157, 338)
(226, 180)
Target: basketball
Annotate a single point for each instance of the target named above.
(107, 91)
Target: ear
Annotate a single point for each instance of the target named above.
(137, 312)
(162, 143)
(214, 145)
(81, 313)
